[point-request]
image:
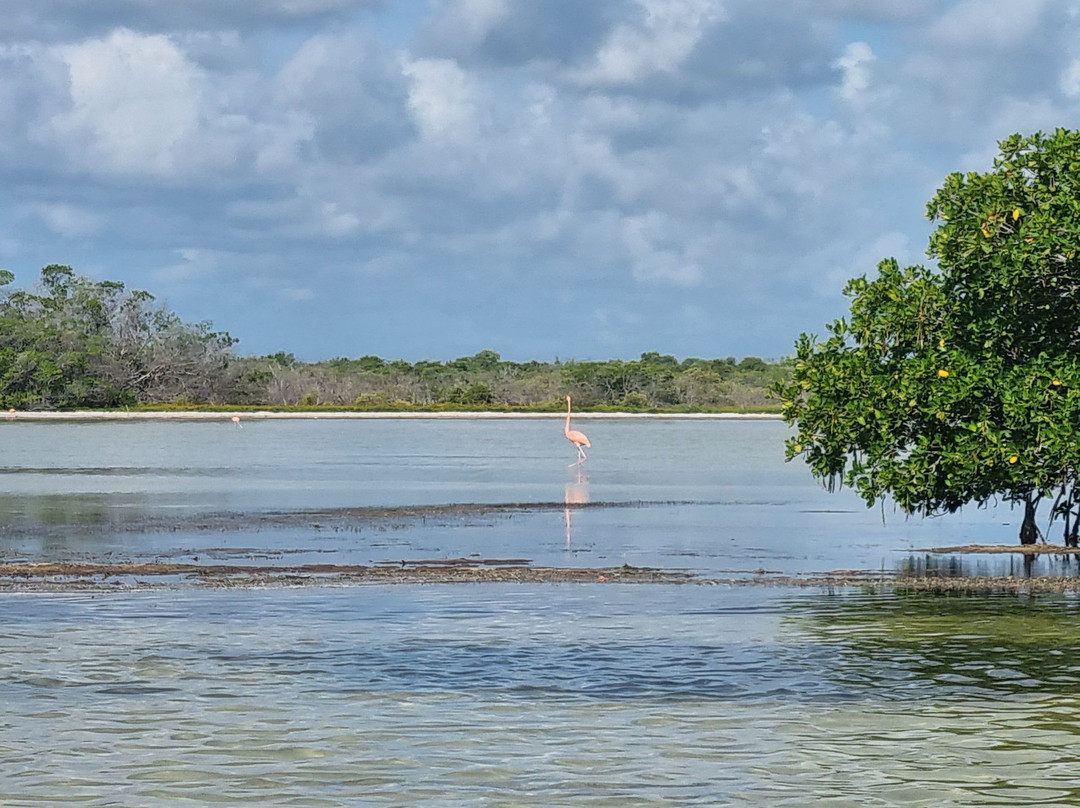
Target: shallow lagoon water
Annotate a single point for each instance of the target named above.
(498, 694)
(712, 497)
(537, 695)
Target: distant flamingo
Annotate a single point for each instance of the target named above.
(236, 421)
(575, 437)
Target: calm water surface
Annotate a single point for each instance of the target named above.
(508, 695)
(712, 496)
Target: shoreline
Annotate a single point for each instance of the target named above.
(330, 415)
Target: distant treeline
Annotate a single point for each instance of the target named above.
(484, 380)
(73, 342)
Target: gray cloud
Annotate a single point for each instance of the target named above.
(66, 19)
(351, 90)
(519, 33)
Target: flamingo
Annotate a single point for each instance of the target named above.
(575, 437)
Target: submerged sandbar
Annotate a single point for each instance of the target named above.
(60, 577)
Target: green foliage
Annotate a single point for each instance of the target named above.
(484, 360)
(485, 381)
(374, 402)
(73, 342)
(654, 358)
(474, 394)
(752, 363)
(283, 359)
(76, 342)
(962, 384)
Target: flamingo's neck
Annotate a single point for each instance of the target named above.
(567, 430)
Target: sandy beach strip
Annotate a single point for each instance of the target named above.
(269, 415)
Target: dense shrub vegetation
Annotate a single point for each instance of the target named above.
(73, 342)
(484, 380)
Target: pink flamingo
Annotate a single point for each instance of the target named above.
(575, 437)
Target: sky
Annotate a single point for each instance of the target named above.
(548, 179)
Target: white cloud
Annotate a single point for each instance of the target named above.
(441, 98)
(988, 24)
(135, 100)
(658, 41)
(855, 65)
(68, 220)
(387, 264)
(196, 265)
(304, 72)
(296, 294)
(1069, 81)
(654, 251)
(338, 222)
(137, 105)
(346, 97)
(467, 22)
(280, 145)
(876, 11)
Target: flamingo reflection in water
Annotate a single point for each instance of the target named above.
(577, 493)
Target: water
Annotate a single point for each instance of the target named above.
(500, 694)
(710, 497)
(560, 695)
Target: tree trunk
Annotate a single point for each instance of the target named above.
(1072, 531)
(1029, 532)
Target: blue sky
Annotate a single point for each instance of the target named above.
(543, 178)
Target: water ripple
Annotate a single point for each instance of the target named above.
(506, 696)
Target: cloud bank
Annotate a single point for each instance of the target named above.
(545, 178)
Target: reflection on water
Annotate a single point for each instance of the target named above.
(514, 695)
(990, 565)
(577, 493)
(920, 646)
(961, 700)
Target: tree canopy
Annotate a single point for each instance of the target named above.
(960, 383)
(74, 342)
(485, 380)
